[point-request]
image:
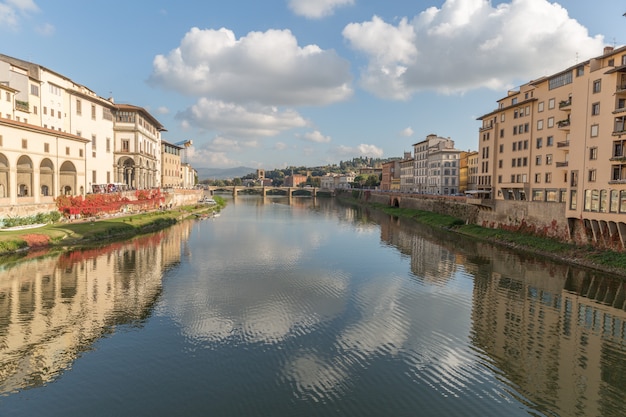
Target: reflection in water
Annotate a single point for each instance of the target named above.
(53, 307)
(557, 333)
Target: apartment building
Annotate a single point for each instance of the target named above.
(472, 171)
(560, 139)
(390, 176)
(436, 166)
(407, 173)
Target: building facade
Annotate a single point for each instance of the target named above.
(560, 139)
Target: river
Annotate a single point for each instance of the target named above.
(306, 307)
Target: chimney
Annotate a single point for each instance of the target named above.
(608, 50)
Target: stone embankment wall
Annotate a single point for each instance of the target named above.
(539, 218)
(542, 219)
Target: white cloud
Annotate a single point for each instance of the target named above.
(360, 150)
(10, 11)
(239, 121)
(316, 137)
(162, 110)
(46, 29)
(316, 9)
(280, 146)
(407, 132)
(206, 157)
(469, 44)
(263, 67)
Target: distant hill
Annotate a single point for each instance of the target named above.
(223, 173)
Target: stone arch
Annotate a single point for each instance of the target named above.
(4, 176)
(67, 180)
(24, 176)
(126, 171)
(46, 177)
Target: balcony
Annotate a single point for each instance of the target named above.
(621, 89)
(563, 144)
(618, 158)
(620, 127)
(619, 110)
(565, 104)
(22, 106)
(618, 181)
(563, 124)
(562, 164)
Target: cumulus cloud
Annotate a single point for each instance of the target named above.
(231, 119)
(207, 157)
(468, 44)
(407, 132)
(262, 67)
(360, 150)
(316, 137)
(46, 29)
(11, 10)
(316, 9)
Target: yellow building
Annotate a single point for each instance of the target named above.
(561, 139)
(171, 176)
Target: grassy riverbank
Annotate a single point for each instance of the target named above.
(86, 232)
(588, 256)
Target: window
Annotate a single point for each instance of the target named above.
(526, 144)
(540, 124)
(548, 177)
(593, 153)
(513, 162)
(108, 144)
(537, 195)
(500, 163)
(93, 142)
(514, 101)
(34, 90)
(67, 150)
(614, 200)
(45, 110)
(502, 116)
(80, 153)
(591, 175)
(501, 133)
(550, 121)
(540, 107)
(51, 112)
(526, 127)
(79, 107)
(594, 131)
(24, 144)
(93, 112)
(34, 109)
(8, 96)
(514, 146)
(125, 145)
(549, 159)
(551, 103)
(580, 71)
(560, 80)
(595, 109)
(539, 143)
(538, 160)
(573, 195)
(46, 147)
(597, 86)
(525, 161)
(550, 141)
(501, 148)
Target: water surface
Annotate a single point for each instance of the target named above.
(305, 307)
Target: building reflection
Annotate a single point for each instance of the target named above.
(556, 332)
(54, 307)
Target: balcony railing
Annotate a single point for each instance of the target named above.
(621, 88)
(618, 181)
(618, 158)
(565, 103)
(563, 123)
(563, 144)
(562, 164)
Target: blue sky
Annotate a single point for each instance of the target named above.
(275, 83)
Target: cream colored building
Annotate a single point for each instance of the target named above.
(171, 173)
(137, 147)
(561, 139)
(37, 165)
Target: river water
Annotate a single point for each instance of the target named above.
(306, 307)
